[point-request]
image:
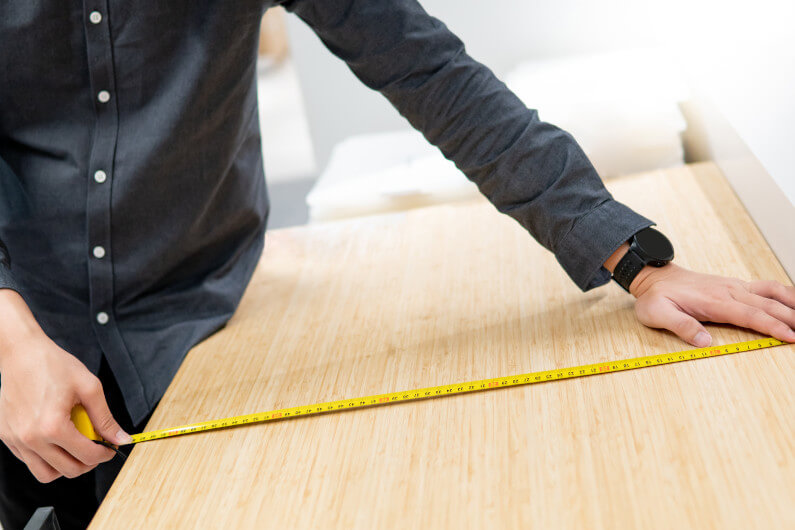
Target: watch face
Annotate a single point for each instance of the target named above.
(654, 246)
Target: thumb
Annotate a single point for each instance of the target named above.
(663, 313)
(92, 398)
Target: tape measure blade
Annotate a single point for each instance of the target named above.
(460, 388)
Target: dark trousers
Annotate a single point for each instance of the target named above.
(75, 500)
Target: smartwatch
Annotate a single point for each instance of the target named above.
(647, 247)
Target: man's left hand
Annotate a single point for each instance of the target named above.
(677, 299)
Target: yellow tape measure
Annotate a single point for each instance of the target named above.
(84, 425)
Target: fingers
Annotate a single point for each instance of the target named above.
(37, 466)
(92, 398)
(41, 447)
(38, 441)
(774, 290)
(14, 450)
(772, 307)
(749, 316)
(661, 312)
(40, 469)
(35, 412)
(58, 459)
(80, 447)
(4, 433)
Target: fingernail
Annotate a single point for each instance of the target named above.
(791, 335)
(702, 339)
(122, 438)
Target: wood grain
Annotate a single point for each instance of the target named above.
(460, 292)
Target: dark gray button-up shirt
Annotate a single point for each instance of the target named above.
(132, 196)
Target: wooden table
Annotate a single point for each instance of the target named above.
(455, 293)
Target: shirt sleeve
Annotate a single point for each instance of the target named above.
(6, 278)
(528, 169)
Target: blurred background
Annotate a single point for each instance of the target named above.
(640, 84)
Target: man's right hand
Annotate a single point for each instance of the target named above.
(41, 383)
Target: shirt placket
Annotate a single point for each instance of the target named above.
(98, 207)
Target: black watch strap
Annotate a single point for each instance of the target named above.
(626, 270)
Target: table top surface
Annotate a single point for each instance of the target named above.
(456, 293)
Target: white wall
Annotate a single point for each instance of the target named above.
(741, 57)
(499, 33)
(741, 62)
(741, 54)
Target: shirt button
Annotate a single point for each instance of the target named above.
(99, 252)
(102, 317)
(95, 17)
(103, 96)
(100, 176)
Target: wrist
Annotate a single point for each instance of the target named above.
(647, 277)
(615, 257)
(646, 255)
(640, 280)
(17, 323)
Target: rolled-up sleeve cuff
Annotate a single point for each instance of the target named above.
(593, 238)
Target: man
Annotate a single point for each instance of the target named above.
(133, 206)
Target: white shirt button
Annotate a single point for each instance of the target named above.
(100, 176)
(102, 317)
(95, 17)
(99, 252)
(103, 96)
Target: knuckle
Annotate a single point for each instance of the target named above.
(107, 422)
(769, 305)
(774, 286)
(724, 296)
(729, 308)
(735, 289)
(93, 386)
(15, 452)
(682, 326)
(28, 437)
(752, 314)
(51, 428)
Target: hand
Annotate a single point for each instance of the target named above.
(677, 299)
(41, 383)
